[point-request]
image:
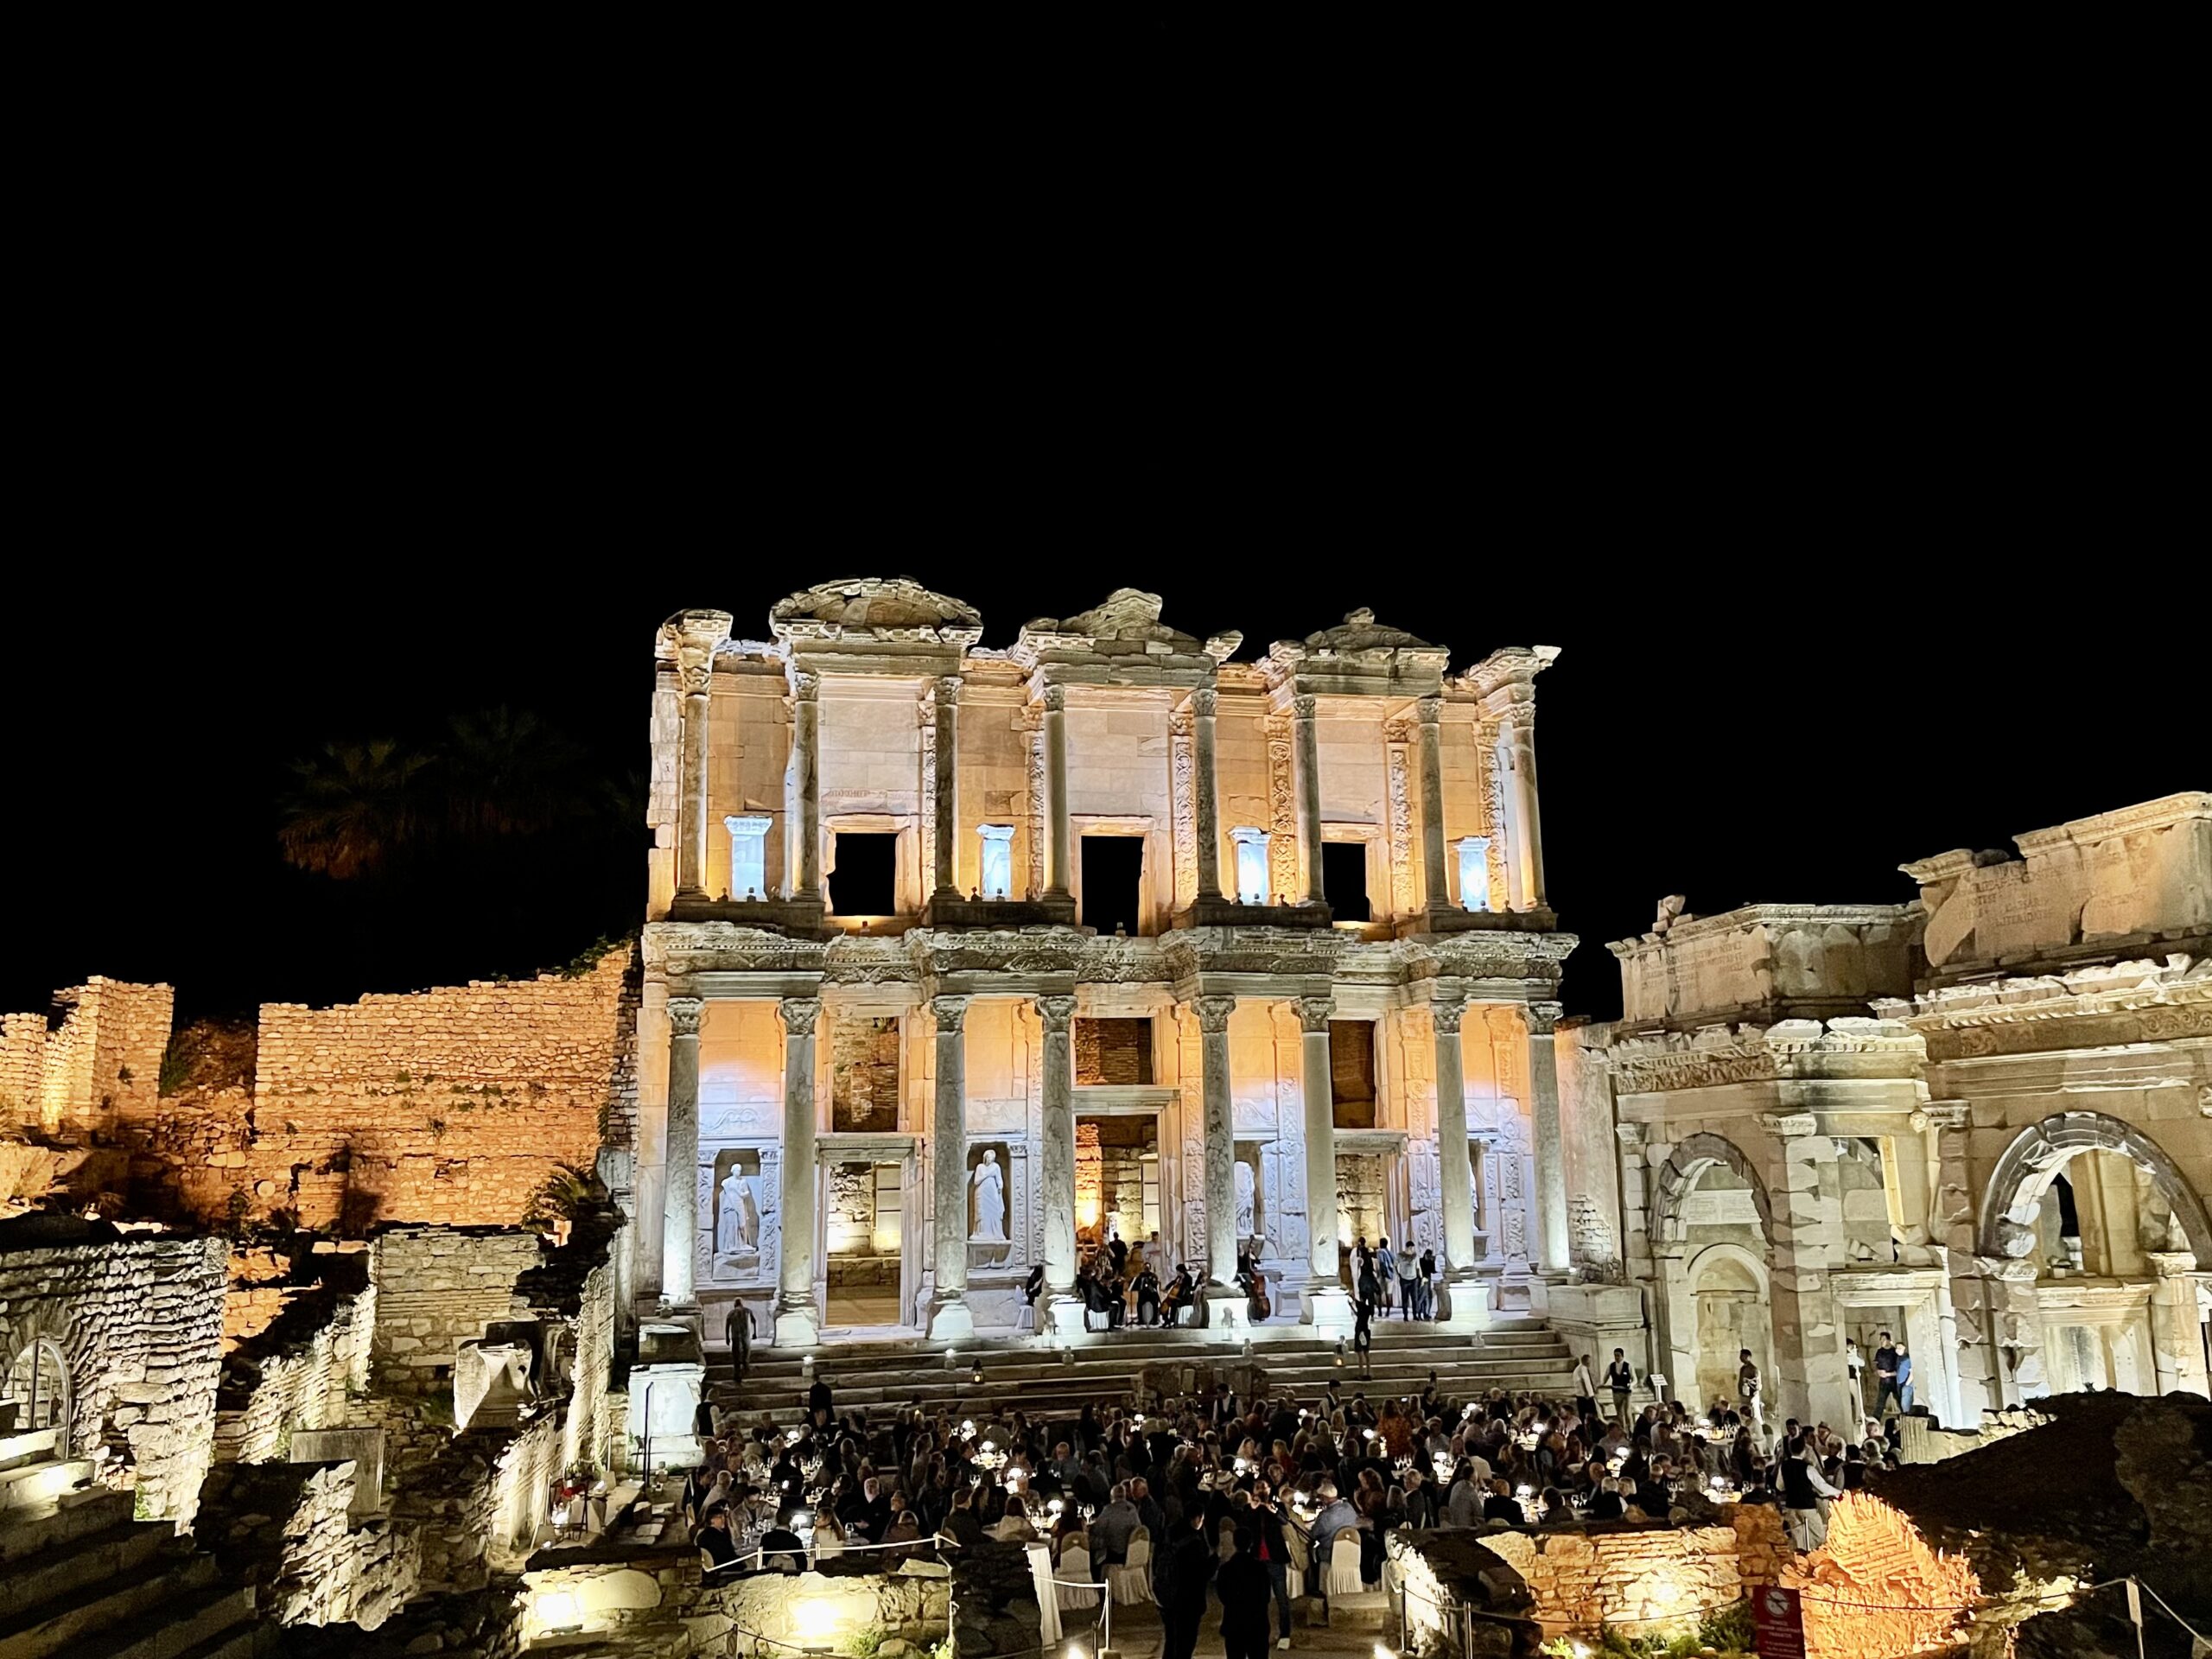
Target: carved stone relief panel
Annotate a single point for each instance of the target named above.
(1282, 811)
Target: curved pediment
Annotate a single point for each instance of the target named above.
(1360, 632)
(872, 605)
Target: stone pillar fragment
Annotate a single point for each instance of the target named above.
(1057, 872)
(946, 877)
(949, 1314)
(1327, 1303)
(1435, 896)
(680, 1220)
(1814, 1382)
(1213, 1014)
(798, 1323)
(1057, 1013)
(1205, 795)
(1307, 755)
(2177, 1333)
(1550, 1144)
(803, 791)
(1455, 1170)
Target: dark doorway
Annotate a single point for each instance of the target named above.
(1113, 874)
(866, 880)
(1343, 880)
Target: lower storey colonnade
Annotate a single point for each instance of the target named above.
(866, 1158)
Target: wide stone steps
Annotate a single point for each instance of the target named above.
(82, 1579)
(880, 1375)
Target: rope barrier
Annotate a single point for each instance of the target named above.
(2170, 1613)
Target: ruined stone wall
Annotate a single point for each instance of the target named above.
(1584, 1576)
(438, 1287)
(99, 1062)
(295, 1372)
(286, 1528)
(474, 1508)
(1877, 1587)
(450, 1106)
(1586, 1101)
(139, 1321)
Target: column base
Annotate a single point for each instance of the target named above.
(1463, 1302)
(1064, 1316)
(797, 1327)
(1229, 1311)
(1328, 1310)
(950, 1318)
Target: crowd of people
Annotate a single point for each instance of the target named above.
(1122, 1284)
(1233, 1496)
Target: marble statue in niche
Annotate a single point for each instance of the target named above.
(989, 1184)
(737, 1231)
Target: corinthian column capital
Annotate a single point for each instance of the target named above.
(684, 1013)
(1213, 1014)
(799, 1014)
(1056, 1012)
(1313, 1012)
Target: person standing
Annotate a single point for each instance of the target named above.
(1245, 1591)
(738, 1330)
(1585, 1389)
(1386, 1273)
(1408, 1275)
(1429, 1284)
(1363, 1333)
(1854, 1365)
(1747, 1389)
(1190, 1567)
(1885, 1375)
(1620, 1377)
(1904, 1381)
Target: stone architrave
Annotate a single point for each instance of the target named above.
(1327, 1304)
(949, 1313)
(681, 1220)
(798, 1323)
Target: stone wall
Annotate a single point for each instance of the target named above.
(286, 1528)
(474, 1508)
(1877, 1587)
(864, 1080)
(95, 1057)
(139, 1321)
(1616, 1573)
(438, 1287)
(449, 1106)
(298, 1368)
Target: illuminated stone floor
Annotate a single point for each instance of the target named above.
(1138, 1635)
(851, 1308)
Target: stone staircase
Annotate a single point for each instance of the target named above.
(80, 1578)
(879, 1376)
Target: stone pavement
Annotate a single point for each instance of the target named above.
(1138, 1635)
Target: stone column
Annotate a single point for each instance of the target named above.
(1435, 895)
(1205, 796)
(947, 880)
(691, 781)
(1529, 851)
(803, 791)
(1213, 1014)
(1550, 1146)
(680, 1218)
(1811, 1381)
(2176, 1337)
(1306, 753)
(1056, 789)
(949, 1314)
(798, 1323)
(1328, 1304)
(1455, 1169)
(1056, 1013)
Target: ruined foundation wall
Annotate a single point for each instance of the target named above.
(296, 1373)
(140, 1325)
(438, 1287)
(98, 1061)
(287, 1529)
(1585, 1577)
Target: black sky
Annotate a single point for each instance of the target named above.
(1787, 731)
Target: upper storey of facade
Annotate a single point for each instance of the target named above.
(871, 767)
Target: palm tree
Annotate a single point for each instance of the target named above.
(506, 772)
(354, 808)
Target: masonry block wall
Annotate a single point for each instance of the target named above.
(140, 1325)
(450, 1106)
(295, 1372)
(287, 1527)
(96, 1058)
(1585, 1577)
(438, 1287)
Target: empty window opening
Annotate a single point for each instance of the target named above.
(866, 880)
(1113, 875)
(1351, 1073)
(1343, 880)
(1113, 1051)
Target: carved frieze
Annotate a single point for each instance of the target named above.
(1183, 776)
(1398, 782)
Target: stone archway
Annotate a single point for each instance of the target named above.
(2039, 1152)
(1729, 1290)
(1684, 1165)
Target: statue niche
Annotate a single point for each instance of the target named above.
(737, 1256)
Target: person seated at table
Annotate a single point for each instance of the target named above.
(782, 1550)
(716, 1544)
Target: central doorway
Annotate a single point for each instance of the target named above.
(1118, 1184)
(866, 1235)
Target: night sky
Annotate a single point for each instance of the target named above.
(1787, 732)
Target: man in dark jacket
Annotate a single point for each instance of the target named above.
(1243, 1587)
(1189, 1565)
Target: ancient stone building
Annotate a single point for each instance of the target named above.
(957, 957)
(1981, 1121)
